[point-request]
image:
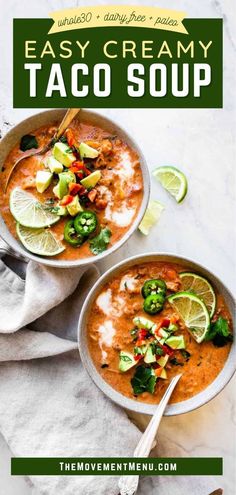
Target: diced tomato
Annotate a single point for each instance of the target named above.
(174, 319)
(138, 357)
(80, 175)
(158, 371)
(82, 191)
(74, 188)
(164, 323)
(75, 170)
(142, 333)
(92, 195)
(140, 342)
(167, 349)
(66, 200)
(70, 137)
(79, 165)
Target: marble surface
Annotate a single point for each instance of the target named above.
(200, 142)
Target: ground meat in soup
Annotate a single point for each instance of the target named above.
(110, 323)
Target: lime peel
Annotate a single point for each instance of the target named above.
(39, 241)
(28, 211)
(151, 216)
(201, 287)
(193, 312)
(173, 180)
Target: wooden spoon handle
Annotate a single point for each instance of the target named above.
(69, 116)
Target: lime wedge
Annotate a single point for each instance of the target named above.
(28, 211)
(39, 241)
(173, 181)
(193, 312)
(201, 287)
(151, 216)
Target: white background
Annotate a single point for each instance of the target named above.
(200, 142)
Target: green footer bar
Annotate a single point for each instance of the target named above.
(116, 466)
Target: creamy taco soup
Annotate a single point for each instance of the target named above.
(76, 200)
(151, 322)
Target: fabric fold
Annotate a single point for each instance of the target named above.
(28, 344)
(43, 288)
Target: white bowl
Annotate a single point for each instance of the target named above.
(173, 409)
(45, 118)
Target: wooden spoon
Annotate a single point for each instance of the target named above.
(68, 117)
(128, 485)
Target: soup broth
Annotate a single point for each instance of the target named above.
(115, 199)
(111, 331)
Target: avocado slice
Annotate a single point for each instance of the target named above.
(43, 180)
(176, 342)
(61, 211)
(56, 190)
(74, 207)
(65, 178)
(163, 374)
(150, 356)
(87, 151)
(173, 328)
(163, 333)
(162, 361)
(127, 361)
(91, 180)
(54, 165)
(63, 154)
(142, 322)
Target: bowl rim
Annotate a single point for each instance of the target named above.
(177, 408)
(18, 247)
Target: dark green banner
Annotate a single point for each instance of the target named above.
(117, 466)
(118, 67)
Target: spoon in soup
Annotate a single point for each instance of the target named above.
(128, 485)
(68, 117)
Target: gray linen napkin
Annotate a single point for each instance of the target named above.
(48, 405)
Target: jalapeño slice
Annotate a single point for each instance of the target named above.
(71, 236)
(154, 286)
(153, 303)
(85, 223)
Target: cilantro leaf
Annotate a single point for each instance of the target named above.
(175, 362)
(185, 354)
(219, 332)
(99, 243)
(27, 142)
(143, 380)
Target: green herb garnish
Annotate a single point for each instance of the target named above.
(133, 333)
(175, 362)
(63, 139)
(144, 380)
(99, 243)
(185, 354)
(50, 201)
(156, 349)
(219, 332)
(28, 142)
